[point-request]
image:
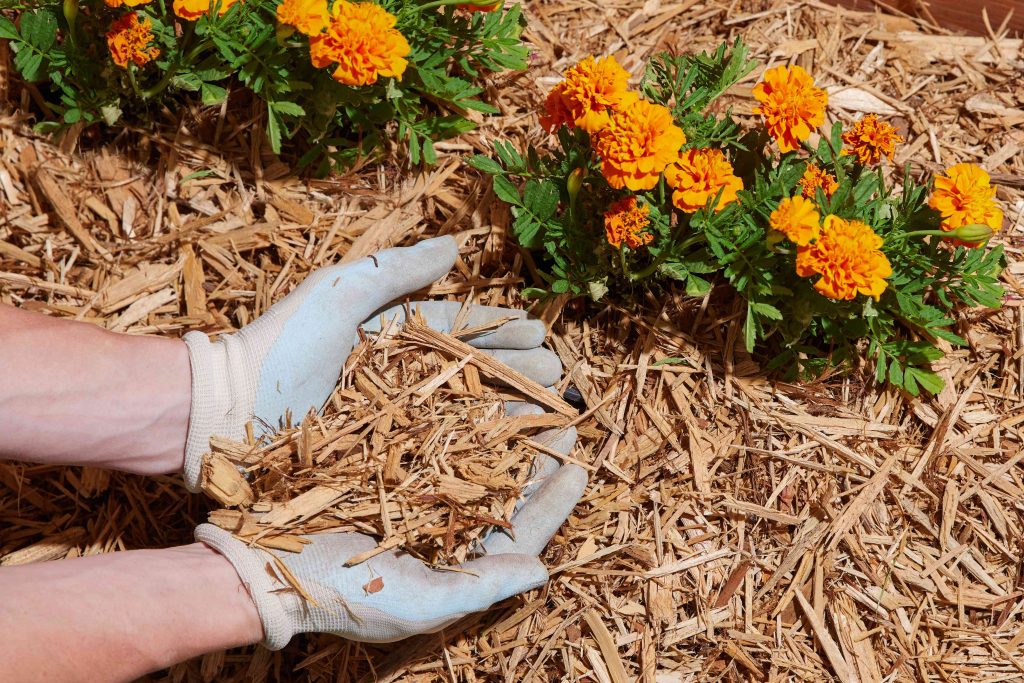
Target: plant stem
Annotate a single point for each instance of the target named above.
(447, 3)
(131, 79)
(172, 70)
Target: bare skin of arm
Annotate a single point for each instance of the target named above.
(118, 616)
(75, 394)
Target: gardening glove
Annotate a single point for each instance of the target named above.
(393, 595)
(288, 360)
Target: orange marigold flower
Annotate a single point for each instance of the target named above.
(638, 144)
(871, 139)
(129, 41)
(308, 16)
(122, 3)
(363, 41)
(813, 178)
(698, 175)
(625, 221)
(964, 196)
(592, 91)
(790, 105)
(848, 256)
(797, 219)
(190, 10)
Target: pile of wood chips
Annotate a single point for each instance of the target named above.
(412, 448)
(734, 527)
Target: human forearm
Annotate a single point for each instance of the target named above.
(120, 615)
(73, 393)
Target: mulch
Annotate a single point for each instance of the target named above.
(735, 527)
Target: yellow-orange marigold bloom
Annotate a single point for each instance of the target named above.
(364, 43)
(848, 257)
(307, 16)
(591, 92)
(790, 105)
(625, 221)
(125, 3)
(190, 10)
(813, 178)
(698, 175)
(871, 139)
(964, 196)
(798, 219)
(638, 144)
(129, 41)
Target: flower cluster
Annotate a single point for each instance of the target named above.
(590, 93)
(362, 41)
(625, 222)
(130, 40)
(637, 145)
(702, 175)
(191, 10)
(965, 196)
(798, 220)
(848, 257)
(790, 105)
(309, 17)
(870, 139)
(815, 178)
(346, 81)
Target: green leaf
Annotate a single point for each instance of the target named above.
(29, 64)
(767, 310)
(697, 286)
(506, 191)
(485, 164)
(928, 380)
(672, 360)
(39, 29)
(7, 29)
(212, 94)
(540, 198)
(288, 108)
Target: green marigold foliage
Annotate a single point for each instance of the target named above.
(797, 329)
(62, 46)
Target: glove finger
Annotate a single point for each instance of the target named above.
(541, 365)
(560, 440)
(493, 579)
(541, 514)
(521, 333)
(394, 273)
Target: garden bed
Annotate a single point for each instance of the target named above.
(733, 526)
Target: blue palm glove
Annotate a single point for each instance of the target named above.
(393, 595)
(289, 359)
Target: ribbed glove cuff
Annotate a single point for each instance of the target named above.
(211, 401)
(251, 566)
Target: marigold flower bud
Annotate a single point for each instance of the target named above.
(973, 234)
(574, 182)
(71, 11)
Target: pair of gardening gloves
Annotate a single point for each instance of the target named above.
(287, 362)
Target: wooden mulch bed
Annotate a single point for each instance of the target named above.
(734, 527)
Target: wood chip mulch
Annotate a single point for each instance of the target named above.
(734, 527)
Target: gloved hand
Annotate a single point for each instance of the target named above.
(413, 598)
(289, 359)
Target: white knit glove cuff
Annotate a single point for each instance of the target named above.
(251, 566)
(211, 402)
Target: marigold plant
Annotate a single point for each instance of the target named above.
(834, 265)
(339, 81)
